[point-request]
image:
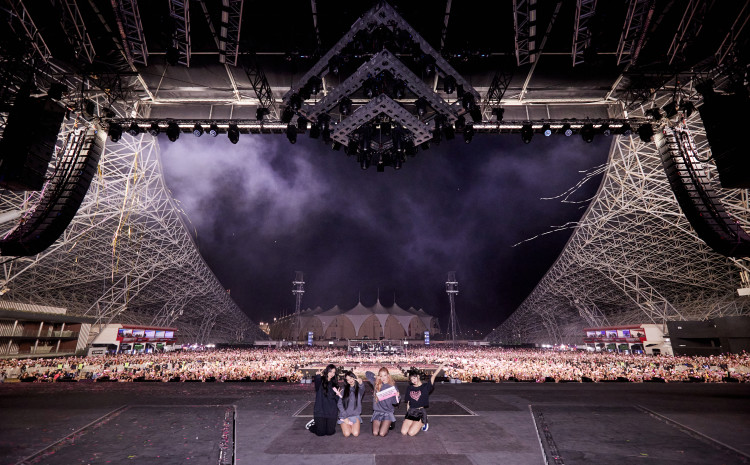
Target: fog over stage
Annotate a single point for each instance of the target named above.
(263, 423)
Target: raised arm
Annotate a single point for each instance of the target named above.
(435, 374)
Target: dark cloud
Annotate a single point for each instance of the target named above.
(265, 208)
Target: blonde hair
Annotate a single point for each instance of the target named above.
(379, 382)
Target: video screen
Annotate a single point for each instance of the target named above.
(139, 333)
(150, 333)
(169, 334)
(160, 334)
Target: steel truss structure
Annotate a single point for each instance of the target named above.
(633, 257)
(127, 257)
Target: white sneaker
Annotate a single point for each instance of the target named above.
(309, 424)
(426, 427)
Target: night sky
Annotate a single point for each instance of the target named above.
(264, 209)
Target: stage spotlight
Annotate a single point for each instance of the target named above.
(336, 146)
(653, 113)
(421, 105)
(498, 112)
(476, 114)
(460, 123)
(645, 132)
(286, 115)
(467, 101)
(233, 133)
(587, 133)
(626, 130)
(115, 131)
(449, 84)
(369, 88)
(527, 132)
(197, 130)
(345, 106)
(291, 133)
(295, 102)
(326, 135)
(606, 130)
(213, 130)
(261, 112)
(670, 109)
(397, 164)
(314, 84)
(399, 90)
(173, 131)
(546, 130)
(687, 108)
(468, 133)
(302, 124)
(134, 129)
(56, 90)
(364, 161)
(566, 130)
(154, 129)
(314, 131)
(449, 132)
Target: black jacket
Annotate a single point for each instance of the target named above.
(326, 401)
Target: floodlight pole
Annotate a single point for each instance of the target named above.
(451, 287)
(298, 290)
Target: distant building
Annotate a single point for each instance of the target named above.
(28, 330)
(359, 322)
(645, 338)
(265, 327)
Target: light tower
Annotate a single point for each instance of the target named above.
(451, 287)
(298, 290)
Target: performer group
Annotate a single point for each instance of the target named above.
(342, 405)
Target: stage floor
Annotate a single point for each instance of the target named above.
(258, 423)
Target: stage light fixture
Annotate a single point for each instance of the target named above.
(115, 132)
(154, 129)
(397, 163)
(460, 123)
(368, 88)
(314, 131)
(302, 124)
(567, 130)
(645, 132)
(653, 113)
(498, 112)
(436, 136)
(197, 130)
(345, 106)
(173, 131)
(56, 90)
(626, 130)
(399, 90)
(295, 102)
(421, 105)
(213, 130)
(261, 113)
(606, 130)
(467, 101)
(670, 109)
(587, 133)
(468, 133)
(449, 84)
(326, 135)
(449, 132)
(336, 145)
(286, 115)
(476, 114)
(291, 133)
(314, 84)
(233, 133)
(134, 129)
(546, 130)
(527, 133)
(687, 108)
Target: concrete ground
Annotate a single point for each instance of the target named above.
(258, 423)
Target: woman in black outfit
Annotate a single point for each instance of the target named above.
(326, 411)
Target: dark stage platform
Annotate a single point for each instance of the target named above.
(257, 423)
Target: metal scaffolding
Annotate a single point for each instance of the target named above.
(127, 256)
(633, 257)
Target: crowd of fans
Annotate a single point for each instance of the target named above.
(467, 364)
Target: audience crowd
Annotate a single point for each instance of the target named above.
(467, 364)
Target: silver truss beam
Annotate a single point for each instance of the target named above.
(127, 255)
(689, 27)
(229, 31)
(383, 61)
(524, 22)
(729, 42)
(131, 31)
(179, 11)
(637, 19)
(75, 29)
(381, 15)
(22, 24)
(585, 11)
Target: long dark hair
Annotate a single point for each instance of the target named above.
(347, 387)
(324, 379)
